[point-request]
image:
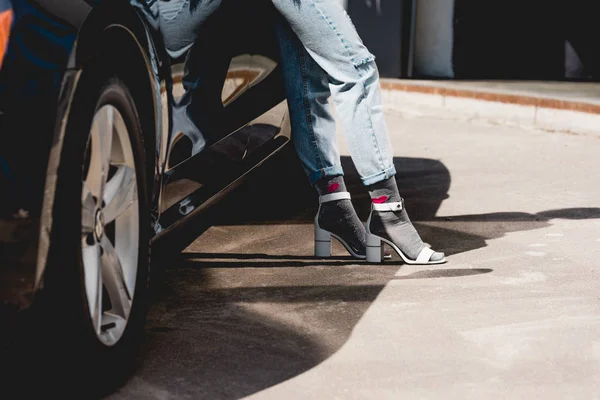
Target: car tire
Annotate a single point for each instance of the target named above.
(96, 285)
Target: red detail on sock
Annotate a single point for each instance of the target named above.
(333, 187)
(380, 199)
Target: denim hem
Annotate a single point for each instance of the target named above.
(335, 170)
(379, 177)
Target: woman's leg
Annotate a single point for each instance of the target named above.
(332, 47)
(330, 38)
(314, 136)
(308, 94)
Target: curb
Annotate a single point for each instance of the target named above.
(439, 99)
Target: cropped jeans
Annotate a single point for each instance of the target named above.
(323, 57)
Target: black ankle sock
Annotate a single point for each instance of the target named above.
(339, 216)
(385, 191)
(328, 185)
(396, 226)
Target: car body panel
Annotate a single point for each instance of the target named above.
(218, 111)
(5, 22)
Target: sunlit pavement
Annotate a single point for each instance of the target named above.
(515, 313)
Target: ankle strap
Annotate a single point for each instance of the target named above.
(396, 206)
(333, 197)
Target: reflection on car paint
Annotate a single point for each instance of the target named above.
(201, 115)
(180, 20)
(218, 104)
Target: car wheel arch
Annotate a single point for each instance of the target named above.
(126, 32)
(118, 32)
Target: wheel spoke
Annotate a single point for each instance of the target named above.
(88, 211)
(118, 155)
(101, 145)
(120, 193)
(110, 224)
(93, 283)
(114, 281)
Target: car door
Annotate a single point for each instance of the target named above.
(209, 72)
(222, 83)
(267, 80)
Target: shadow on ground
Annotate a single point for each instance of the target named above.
(423, 183)
(209, 338)
(226, 324)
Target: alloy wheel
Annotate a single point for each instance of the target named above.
(110, 224)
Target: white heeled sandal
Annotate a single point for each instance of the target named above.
(323, 237)
(375, 248)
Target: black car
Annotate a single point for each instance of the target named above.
(121, 121)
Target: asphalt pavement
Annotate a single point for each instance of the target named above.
(515, 313)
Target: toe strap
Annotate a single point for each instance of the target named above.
(425, 255)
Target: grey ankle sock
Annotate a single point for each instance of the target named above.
(396, 226)
(339, 217)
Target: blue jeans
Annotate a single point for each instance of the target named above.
(323, 56)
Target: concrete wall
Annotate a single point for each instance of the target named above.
(434, 38)
(474, 39)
